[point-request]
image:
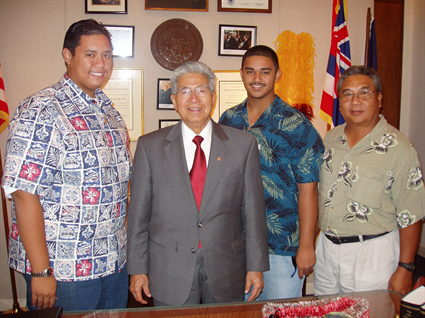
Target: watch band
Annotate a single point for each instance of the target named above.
(409, 266)
(47, 272)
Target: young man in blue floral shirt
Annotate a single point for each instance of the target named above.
(290, 150)
(67, 167)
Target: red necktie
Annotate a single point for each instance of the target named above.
(198, 172)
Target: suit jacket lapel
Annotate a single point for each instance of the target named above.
(177, 160)
(217, 161)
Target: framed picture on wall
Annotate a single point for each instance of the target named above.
(164, 94)
(258, 6)
(106, 6)
(234, 40)
(181, 5)
(125, 88)
(122, 40)
(167, 122)
(230, 92)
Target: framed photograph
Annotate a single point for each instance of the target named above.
(258, 6)
(230, 92)
(167, 122)
(122, 40)
(106, 6)
(125, 88)
(164, 94)
(234, 40)
(180, 5)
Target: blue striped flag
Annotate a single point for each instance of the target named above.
(339, 61)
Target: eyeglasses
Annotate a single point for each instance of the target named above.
(363, 94)
(200, 91)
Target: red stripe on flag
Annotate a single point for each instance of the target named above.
(4, 110)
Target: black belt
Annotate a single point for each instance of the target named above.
(352, 239)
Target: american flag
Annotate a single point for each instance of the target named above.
(339, 61)
(4, 110)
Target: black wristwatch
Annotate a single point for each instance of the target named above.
(48, 271)
(410, 267)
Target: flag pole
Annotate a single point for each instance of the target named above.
(16, 308)
(366, 52)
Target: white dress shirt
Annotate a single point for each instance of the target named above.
(190, 147)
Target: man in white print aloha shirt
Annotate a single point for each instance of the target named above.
(67, 168)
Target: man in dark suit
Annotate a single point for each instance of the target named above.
(203, 243)
(232, 43)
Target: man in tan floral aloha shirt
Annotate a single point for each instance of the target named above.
(371, 196)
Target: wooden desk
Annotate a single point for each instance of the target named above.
(383, 304)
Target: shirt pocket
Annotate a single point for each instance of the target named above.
(239, 244)
(369, 190)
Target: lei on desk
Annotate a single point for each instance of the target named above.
(351, 307)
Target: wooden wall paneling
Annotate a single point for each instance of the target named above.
(389, 18)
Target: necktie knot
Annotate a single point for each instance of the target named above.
(198, 140)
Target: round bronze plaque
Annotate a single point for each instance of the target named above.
(174, 42)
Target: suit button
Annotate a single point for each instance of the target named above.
(193, 250)
(200, 224)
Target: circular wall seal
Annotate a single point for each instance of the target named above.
(174, 42)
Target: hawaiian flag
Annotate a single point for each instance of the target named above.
(339, 61)
(4, 110)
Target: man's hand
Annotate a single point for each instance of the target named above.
(43, 292)
(307, 211)
(306, 258)
(30, 221)
(254, 279)
(401, 281)
(139, 283)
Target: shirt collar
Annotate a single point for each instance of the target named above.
(375, 134)
(189, 134)
(100, 101)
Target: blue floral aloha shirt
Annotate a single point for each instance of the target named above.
(72, 151)
(290, 150)
(374, 187)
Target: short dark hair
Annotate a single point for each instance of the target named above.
(361, 70)
(262, 50)
(83, 27)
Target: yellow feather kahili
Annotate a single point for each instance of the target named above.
(296, 60)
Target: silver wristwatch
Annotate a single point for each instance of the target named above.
(47, 272)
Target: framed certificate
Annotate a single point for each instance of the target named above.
(106, 6)
(125, 89)
(258, 6)
(230, 92)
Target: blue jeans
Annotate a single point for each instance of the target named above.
(281, 281)
(108, 292)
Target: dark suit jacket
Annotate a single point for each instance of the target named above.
(164, 222)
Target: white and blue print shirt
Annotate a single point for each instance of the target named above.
(73, 152)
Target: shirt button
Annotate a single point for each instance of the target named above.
(193, 251)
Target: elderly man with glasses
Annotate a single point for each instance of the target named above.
(197, 226)
(371, 197)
